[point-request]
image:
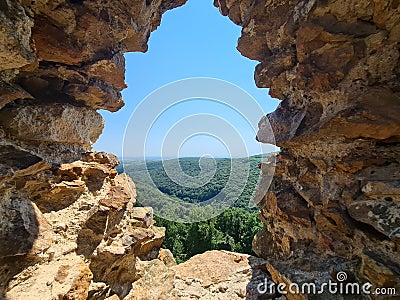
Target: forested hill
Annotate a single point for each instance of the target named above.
(232, 230)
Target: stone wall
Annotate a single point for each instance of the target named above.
(68, 226)
(334, 201)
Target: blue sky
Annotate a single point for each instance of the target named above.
(193, 41)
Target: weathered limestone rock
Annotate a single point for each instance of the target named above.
(68, 278)
(60, 204)
(382, 215)
(42, 128)
(66, 216)
(11, 92)
(376, 271)
(114, 260)
(24, 230)
(156, 282)
(211, 275)
(15, 32)
(166, 256)
(335, 66)
(78, 47)
(86, 211)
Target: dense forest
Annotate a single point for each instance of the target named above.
(232, 230)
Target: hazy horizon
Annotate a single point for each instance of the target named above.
(183, 157)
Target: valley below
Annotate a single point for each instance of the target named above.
(233, 229)
(73, 226)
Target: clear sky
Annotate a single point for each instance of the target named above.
(193, 41)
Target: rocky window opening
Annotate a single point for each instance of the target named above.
(69, 225)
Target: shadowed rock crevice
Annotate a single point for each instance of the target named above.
(9, 267)
(92, 233)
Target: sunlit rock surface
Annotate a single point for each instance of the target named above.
(211, 275)
(334, 200)
(68, 226)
